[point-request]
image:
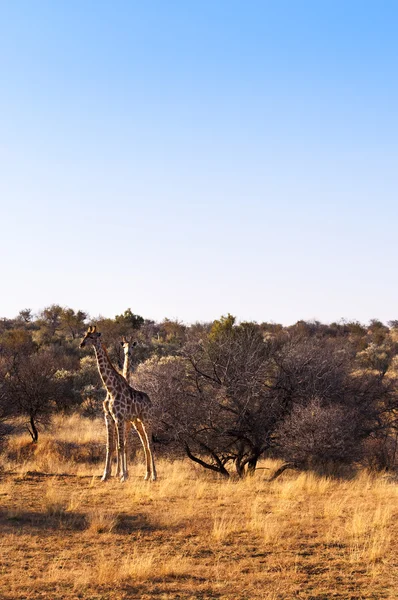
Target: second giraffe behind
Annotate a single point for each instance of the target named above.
(125, 406)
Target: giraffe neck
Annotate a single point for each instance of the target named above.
(110, 377)
(126, 365)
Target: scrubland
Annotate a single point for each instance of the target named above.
(189, 535)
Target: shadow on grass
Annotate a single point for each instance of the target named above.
(174, 585)
(18, 521)
(22, 520)
(130, 523)
(329, 470)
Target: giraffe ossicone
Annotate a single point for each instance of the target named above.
(123, 407)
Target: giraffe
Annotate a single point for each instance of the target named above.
(127, 345)
(109, 422)
(123, 405)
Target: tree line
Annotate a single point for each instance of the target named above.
(225, 393)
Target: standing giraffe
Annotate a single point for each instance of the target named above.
(124, 404)
(109, 421)
(128, 345)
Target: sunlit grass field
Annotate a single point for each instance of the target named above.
(189, 535)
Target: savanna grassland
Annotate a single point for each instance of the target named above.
(65, 534)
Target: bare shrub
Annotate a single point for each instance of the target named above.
(319, 433)
(381, 451)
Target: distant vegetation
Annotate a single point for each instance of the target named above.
(226, 393)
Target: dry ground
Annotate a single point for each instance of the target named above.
(65, 534)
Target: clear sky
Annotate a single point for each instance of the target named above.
(193, 158)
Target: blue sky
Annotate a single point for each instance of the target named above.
(189, 159)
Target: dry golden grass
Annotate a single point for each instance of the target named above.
(189, 535)
(72, 446)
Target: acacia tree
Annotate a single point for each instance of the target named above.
(185, 414)
(73, 322)
(130, 320)
(218, 395)
(6, 409)
(49, 322)
(32, 388)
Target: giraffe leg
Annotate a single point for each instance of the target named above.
(110, 441)
(141, 435)
(145, 432)
(127, 426)
(118, 464)
(121, 447)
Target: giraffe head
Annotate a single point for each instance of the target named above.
(127, 344)
(90, 337)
